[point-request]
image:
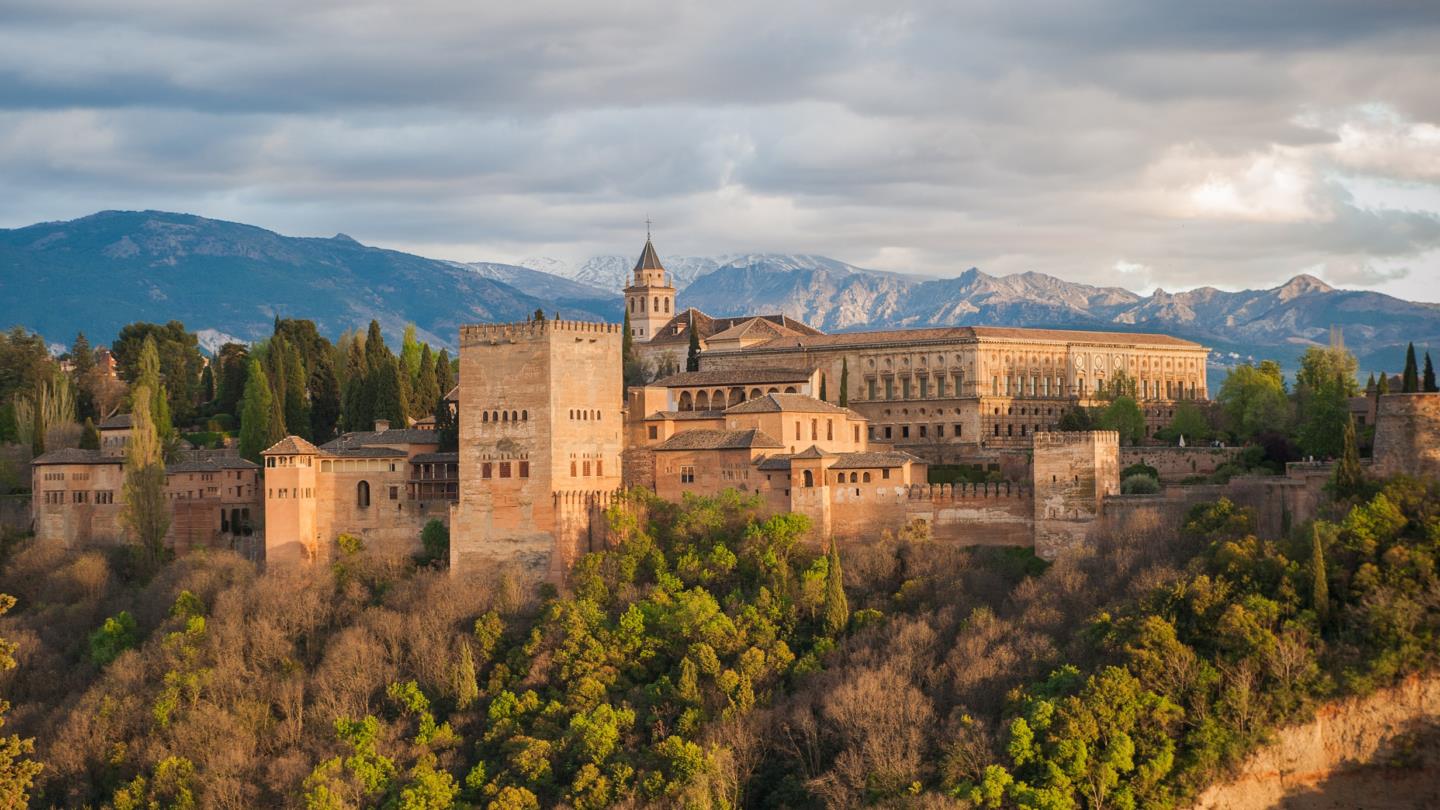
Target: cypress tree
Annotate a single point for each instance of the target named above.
(627, 342)
(297, 409)
(275, 424)
(255, 410)
(1410, 380)
(1319, 582)
(358, 405)
(1382, 386)
(207, 384)
(692, 357)
(823, 396)
(1349, 477)
(90, 436)
(1427, 383)
(375, 349)
(427, 390)
(539, 316)
(389, 392)
(845, 382)
(444, 377)
(324, 400)
(1370, 383)
(837, 607)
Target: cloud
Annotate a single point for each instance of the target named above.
(1127, 141)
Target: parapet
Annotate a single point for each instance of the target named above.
(495, 333)
(1072, 438)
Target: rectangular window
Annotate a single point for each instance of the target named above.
(924, 387)
(885, 473)
(654, 432)
(889, 387)
(600, 466)
(870, 389)
(923, 431)
(524, 469)
(857, 434)
(504, 469)
(939, 431)
(687, 475)
(904, 431)
(940, 386)
(957, 430)
(572, 468)
(394, 493)
(905, 388)
(887, 431)
(485, 470)
(586, 467)
(995, 385)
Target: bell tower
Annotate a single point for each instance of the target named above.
(649, 300)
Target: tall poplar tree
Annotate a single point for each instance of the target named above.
(145, 513)
(256, 407)
(147, 379)
(410, 353)
(1319, 579)
(1410, 380)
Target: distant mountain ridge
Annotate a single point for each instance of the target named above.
(227, 279)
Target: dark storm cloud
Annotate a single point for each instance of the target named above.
(1151, 143)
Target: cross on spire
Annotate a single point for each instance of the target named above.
(647, 227)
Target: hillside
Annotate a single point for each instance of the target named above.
(100, 272)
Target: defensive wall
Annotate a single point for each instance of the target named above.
(1179, 463)
(1407, 435)
(998, 514)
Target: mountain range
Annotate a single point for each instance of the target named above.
(227, 280)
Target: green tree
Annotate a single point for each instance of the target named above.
(1427, 383)
(1410, 379)
(390, 393)
(435, 540)
(233, 360)
(1349, 477)
(256, 432)
(17, 770)
(145, 513)
(426, 391)
(444, 374)
(148, 378)
(1254, 401)
(1076, 418)
(1319, 579)
(845, 382)
(837, 607)
(1189, 421)
(115, 636)
(90, 435)
(207, 384)
(1383, 385)
(824, 395)
(358, 400)
(692, 355)
(180, 363)
(631, 367)
(297, 406)
(82, 356)
(1323, 386)
(1123, 415)
(410, 353)
(324, 399)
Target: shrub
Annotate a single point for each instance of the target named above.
(115, 636)
(1140, 469)
(434, 542)
(1139, 484)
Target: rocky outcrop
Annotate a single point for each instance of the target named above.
(1343, 735)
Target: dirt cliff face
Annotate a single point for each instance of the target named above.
(1323, 763)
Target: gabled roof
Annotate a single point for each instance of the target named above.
(771, 463)
(648, 260)
(812, 452)
(119, 421)
(756, 329)
(215, 464)
(775, 403)
(382, 438)
(718, 440)
(739, 376)
(676, 330)
(453, 395)
(75, 455)
(291, 446)
(884, 458)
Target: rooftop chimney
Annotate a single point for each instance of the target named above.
(382, 425)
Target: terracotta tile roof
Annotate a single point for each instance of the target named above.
(776, 403)
(756, 329)
(718, 440)
(739, 376)
(117, 422)
(371, 438)
(676, 330)
(75, 455)
(812, 452)
(363, 452)
(970, 334)
(687, 415)
(887, 458)
(217, 464)
(291, 446)
(435, 458)
(778, 461)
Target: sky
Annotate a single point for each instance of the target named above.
(1131, 142)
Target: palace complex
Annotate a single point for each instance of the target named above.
(843, 428)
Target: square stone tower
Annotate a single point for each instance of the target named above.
(541, 436)
(1073, 473)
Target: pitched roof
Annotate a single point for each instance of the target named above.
(777, 461)
(434, 458)
(884, 458)
(118, 421)
(453, 395)
(291, 446)
(812, 452)
(738, 376)
(676, 330)
(970, 334)
(363, 452)
(214, 464)
(75, 455)
(648, 260)
(687, 415)
(381, 438)
(756, 329)
(775, 403)
(718, 440)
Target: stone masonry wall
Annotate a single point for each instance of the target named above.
(1178, 463)
(1072, 473)
(1407, 435)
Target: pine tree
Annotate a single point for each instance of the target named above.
(1349, 477)
(256, 408)
(1410, 380)
(692, 357)
(844, 382)
(1427, 383)
(90, 436)
(145, 512)
(297, 407)
(1319, 581)
(427, 390)
(82, 355)
(837, 607)
(324, 400)
(1370, 383)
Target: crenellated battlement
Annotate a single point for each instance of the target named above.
(496, 333)
(1103, 438)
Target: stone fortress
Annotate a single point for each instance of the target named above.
(841, 428)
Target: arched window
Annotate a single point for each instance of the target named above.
(657, 303)
(754, 392)
(505, 416)
(485, 416)
(866, 478)
(854, 477)
(667, 306)
(524, 416)
(702, 401)
(814, 430)
(685, 403)
(514, 416)
(830, 429)
(790, 389)
(809, 479)
(362, 494)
